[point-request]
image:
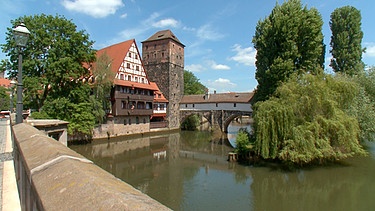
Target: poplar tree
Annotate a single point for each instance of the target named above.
(288, 41)
(346, 40)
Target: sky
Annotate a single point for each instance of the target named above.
(217, 34)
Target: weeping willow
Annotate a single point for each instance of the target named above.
(305, 121)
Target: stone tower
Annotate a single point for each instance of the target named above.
(163, 59)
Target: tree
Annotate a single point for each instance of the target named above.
(4, 99)
(307, 121)
(53, 70)
(102, 85)
(288, 41)
(53, 57)
(243, 143)
(346, 40)
(192, 85)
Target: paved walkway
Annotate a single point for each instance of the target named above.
(9, 197)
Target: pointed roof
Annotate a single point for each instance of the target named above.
(162, 35)
(117, 53)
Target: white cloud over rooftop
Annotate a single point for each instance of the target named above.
(96, 9)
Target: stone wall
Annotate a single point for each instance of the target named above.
(51, 176)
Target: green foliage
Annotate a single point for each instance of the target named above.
(102, 86)
(53, 70)
(192, 85)
(289, 41)
(243, 144)
(39, 115)
(306, 121)
(346, 40)
(363, 106)
(4, 99)
(52, 59)
(191, 122)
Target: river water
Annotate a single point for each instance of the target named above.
(189, 171)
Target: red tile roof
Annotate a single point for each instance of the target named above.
(231, 97)
(5, 82)
(162, 99)
(134, 84)
(117, 53)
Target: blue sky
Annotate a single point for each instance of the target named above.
(217, 33)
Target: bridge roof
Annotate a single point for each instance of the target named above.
(231, 97)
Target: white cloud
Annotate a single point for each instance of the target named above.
(145, 25)
(165, 23)
(206, 32)
(194, 68)
(370, 50)
(215, 66)
(96, 9)
(244, 56)
(124, 15)
(221, 85)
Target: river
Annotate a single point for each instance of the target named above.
(189, 171)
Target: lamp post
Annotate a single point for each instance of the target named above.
(20, 34)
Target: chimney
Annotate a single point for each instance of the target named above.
(206, 95)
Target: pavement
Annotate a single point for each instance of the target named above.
(9, 197)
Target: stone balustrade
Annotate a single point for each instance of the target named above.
(50, 176)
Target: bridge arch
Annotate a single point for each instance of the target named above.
(216, 119)
(202, 115)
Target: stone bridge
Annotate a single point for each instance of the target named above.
(219, 109)
(216, 119)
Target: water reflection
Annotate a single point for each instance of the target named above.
(189, 171)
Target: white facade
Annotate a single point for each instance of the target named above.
(209, 106)
(131, 68)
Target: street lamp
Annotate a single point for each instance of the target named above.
(20, 34)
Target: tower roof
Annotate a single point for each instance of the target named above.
(162, 35)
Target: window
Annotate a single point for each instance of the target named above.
(130, 54)
(137, 120)
(123, 104)
(185, 105)
(234, 105)
(193, 106)
(128, 65)
(144, 120)
(124, 121)
(129, 77)
(137, 68)
(130, 121)
(136, 57)
(217, 104)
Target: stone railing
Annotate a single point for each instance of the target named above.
(50, 176)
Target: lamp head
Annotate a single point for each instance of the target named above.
(21, 35)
